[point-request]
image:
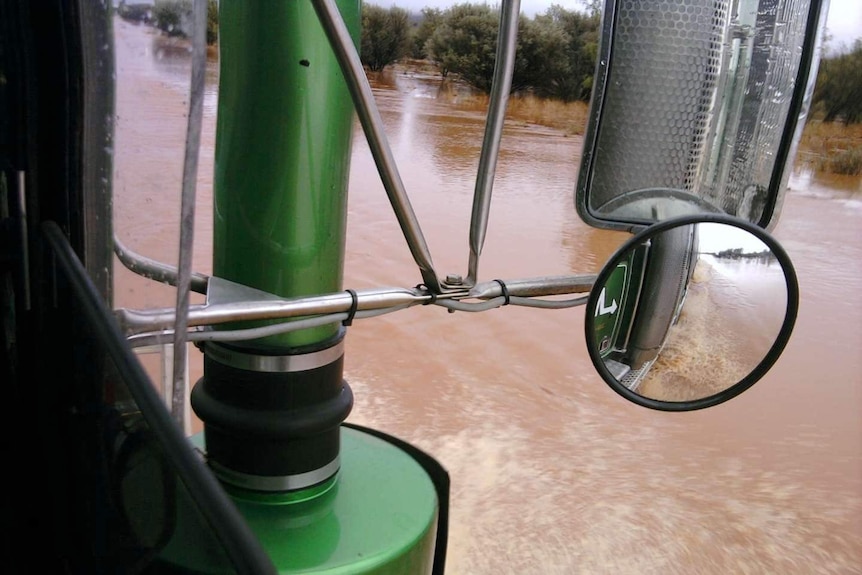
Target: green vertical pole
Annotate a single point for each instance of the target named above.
(271, 407)
(282, 153)
(321, 498)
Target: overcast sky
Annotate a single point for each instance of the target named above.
(844, 24)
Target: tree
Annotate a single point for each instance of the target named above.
(212, 22)
(555, 56)
(385, 36)
(542, 63)
(839, 86)
(431, 18)
(594, 7)
(465, 43)
(174, 17)
(572, 78)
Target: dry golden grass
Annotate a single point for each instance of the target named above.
(568, 117)
(832, 147)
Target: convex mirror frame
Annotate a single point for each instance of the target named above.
(662, 289)
(697, 107)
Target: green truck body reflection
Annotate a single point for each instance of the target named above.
(641, 300)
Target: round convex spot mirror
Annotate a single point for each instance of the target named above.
(691, 312)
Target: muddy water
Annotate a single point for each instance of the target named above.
(551, 471)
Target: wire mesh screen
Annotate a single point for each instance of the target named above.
(696, 100)
(664, 69)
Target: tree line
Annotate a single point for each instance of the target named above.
(555, 57)
(838, 91)
(173, 17)
(556, 52)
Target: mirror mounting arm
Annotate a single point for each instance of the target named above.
(372, 124)
(500, 87)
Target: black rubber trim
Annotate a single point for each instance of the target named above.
(272, 423)
(354, 305)
(505, 291)
(430, 293)
(228, 525)
(768, 216)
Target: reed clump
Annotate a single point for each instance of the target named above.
(832, 147)
(845, 162)
(567, 117)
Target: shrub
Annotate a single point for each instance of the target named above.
(385, 36)
(212, 22)
(173, 17)
(135, 12)
(839, 87)
(845, 162)
(555, 57)
(831, 146)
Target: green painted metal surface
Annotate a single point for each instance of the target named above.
(379, 516)
(618, 302)
(283, 146)
(609, 310)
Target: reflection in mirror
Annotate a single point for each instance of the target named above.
(690, 313)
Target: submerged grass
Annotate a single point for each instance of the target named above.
(846, 162)
(828, 147)
(568, 117)
(832, 147)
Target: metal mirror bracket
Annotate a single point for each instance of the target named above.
(372, 124)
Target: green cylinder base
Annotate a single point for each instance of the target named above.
(378, 516)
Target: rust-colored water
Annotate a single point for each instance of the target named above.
(551, 471)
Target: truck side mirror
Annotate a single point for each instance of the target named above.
(691, 312)
(697, 107)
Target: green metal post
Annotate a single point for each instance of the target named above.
(378, 518)
(282, 153)
(321, 498)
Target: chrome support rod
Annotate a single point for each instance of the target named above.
(187, 210)
(372, 125)
(535, 287)
(507, 40)
(155, 270)
(228, 302)
(245, 309)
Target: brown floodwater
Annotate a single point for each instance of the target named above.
(552, 472)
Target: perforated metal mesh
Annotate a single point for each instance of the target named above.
(632, 379)
(696, 99)
(664, 68)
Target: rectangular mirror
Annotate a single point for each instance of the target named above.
(697, 107)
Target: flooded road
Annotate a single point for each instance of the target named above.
(551, 471)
